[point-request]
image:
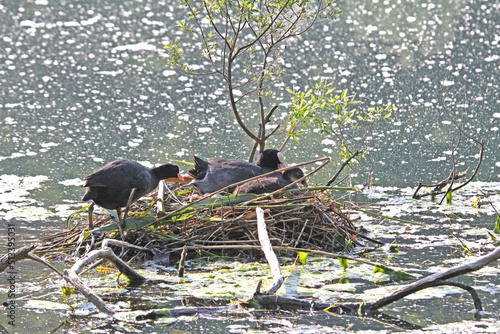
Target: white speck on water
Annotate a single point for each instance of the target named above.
(496, 115)
(133, 144)
(327, 150)
(71, 182)
(371, 28)
(203, 130)
(183, 78)
(135, 47)
(168, 73)
(125, 127)
(47, 145)
(380, 56)
(9, 120)
(222, 102)
(447, 83)
(492, 58)
(111, 73)
(411, 19)
(71, 24)
(91, 21)
(328, 142)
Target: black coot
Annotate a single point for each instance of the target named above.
(273, 182)
(110, 186)
(214, 174)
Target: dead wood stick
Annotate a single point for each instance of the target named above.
(38, 259)
(431, 279)
(160, 204)
(10, 258)
(182, 262)
(71, 275)
(452, 177)
(342, 168)
(8, 261)
(269, 253)
(109, 255)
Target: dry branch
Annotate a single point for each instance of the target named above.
(71, 275)
(436, 279)
(268, 251)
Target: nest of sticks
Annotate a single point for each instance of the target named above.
(178, 218)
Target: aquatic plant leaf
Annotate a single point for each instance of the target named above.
(344, 263)
(394, 249)
(449, 197)
(303, 257)
(396, 275)
(476, 202)
(497, 225)
(67, 291)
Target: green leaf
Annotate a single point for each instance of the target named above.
(344, 263)
(394, 249)
(497, 226)
(303, 257)
(449, 197)
(396, 275)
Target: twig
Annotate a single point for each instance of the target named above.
(342, 168)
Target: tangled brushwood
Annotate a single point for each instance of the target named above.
(305, 219)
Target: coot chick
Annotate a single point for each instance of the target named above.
(273, 182)
(214, 173)
(110, 187)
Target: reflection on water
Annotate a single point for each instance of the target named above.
(86, 82)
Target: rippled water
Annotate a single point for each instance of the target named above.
(85, 82)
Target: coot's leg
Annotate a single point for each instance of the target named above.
(119, 213)
(119, 223)
(91, 216)
(129, 203)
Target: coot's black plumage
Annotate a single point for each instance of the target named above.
(110, 186)
(273, 182)
(214, 174)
